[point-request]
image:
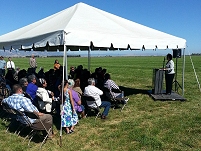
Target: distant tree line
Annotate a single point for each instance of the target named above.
(196, 54)
(55, 56)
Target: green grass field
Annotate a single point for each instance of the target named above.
(144, 124)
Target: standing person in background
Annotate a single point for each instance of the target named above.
(2, 66)
(10, 65)
(56, 65)
(33, 63)
(72, 72)
(169, 74)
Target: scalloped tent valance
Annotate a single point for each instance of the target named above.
(82, 26)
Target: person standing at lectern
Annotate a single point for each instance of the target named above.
(169, 73)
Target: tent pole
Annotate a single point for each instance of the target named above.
(66, 64)
(62, 87)
(183, 72)
(89, 59)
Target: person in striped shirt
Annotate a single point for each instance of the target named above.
(110, 84)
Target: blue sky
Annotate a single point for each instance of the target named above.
(177, 17)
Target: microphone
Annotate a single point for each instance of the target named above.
(163, 62)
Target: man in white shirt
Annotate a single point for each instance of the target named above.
(95, 92)
(10, 65)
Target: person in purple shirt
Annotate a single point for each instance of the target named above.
(32, 88)
(77, 101)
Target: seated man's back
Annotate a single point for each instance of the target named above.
(19, 102)
(95, 92)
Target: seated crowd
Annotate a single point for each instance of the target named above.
(42, 93)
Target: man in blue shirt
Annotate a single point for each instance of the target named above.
(19, 102)
(32, 88)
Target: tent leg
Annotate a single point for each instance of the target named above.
(89, 59)
(66, 65)
(183, 72)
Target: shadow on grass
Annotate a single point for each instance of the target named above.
(131, 91)
(19, 130)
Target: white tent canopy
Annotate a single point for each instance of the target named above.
(85, 25)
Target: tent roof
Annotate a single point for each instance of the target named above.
(83, 25)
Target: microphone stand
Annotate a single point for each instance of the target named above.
(177, 85)
(164, 63)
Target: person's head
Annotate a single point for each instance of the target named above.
(169, 56)
(9, 58)
(41, 68)
(72, 68)
(107, 76)
(1, 58)
(17, 89)
(65, 83)
(104, 71)
(23, 82)
(17, 68)
(56, 61)
(32, 78)
(32, 56)
(71, 83)
(91, 81)
(77, 83)
(42, 83)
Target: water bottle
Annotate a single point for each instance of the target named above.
(122, 94)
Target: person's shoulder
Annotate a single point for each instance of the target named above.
(110, 80)
(40, 89)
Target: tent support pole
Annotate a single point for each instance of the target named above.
(89, 59)
(66, 64)
(62, 86)
(183, 72)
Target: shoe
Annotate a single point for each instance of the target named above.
(71, 131)
(126, 100)
(51, 136)
(117, 107)
(103, 117)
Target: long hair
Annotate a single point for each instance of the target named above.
(77, 83)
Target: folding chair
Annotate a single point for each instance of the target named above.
(13, 114)
(4, 93)
(88, 99)
(10, 114)
(26, 122)
(110, 95)
(37, 127)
